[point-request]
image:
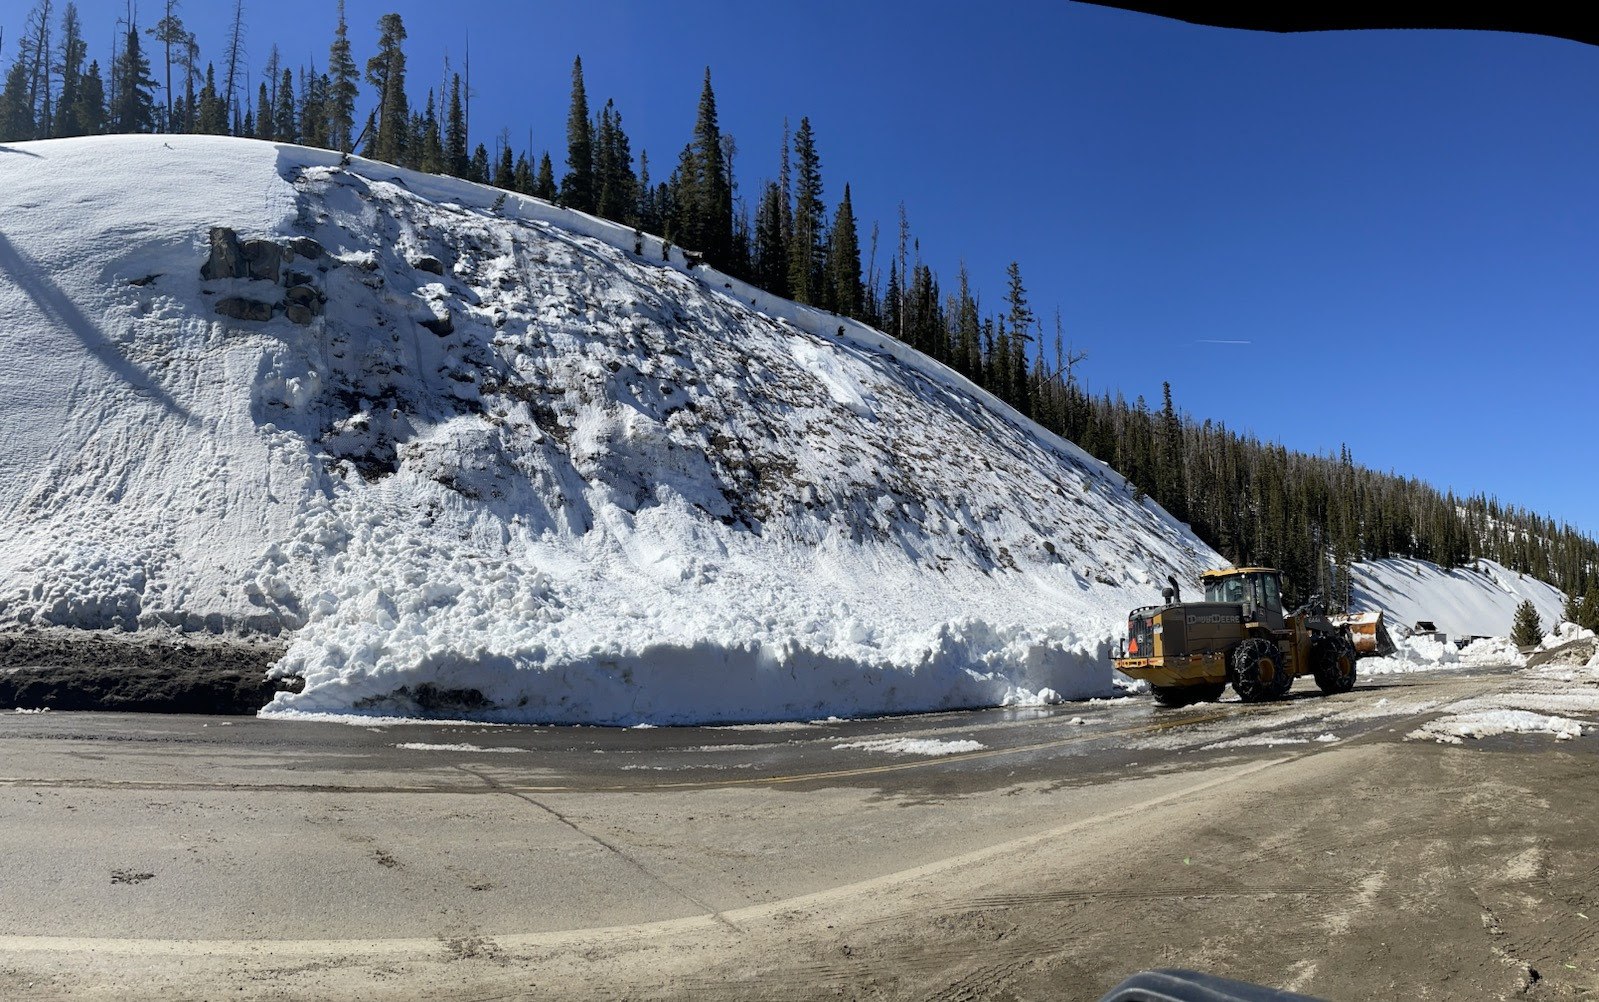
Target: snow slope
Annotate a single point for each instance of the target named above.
(515, 462)
(1479, 599)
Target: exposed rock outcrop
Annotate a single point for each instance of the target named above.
(260, 260)
(227, 257)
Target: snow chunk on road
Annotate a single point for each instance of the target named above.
(1486, 723)
(914, 746)
(425, 746)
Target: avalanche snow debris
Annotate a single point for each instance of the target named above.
(602, 485)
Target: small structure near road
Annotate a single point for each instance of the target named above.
(1426, 628)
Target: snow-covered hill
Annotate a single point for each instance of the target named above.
(1479, 599)
(490, 456)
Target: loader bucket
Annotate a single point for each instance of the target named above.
(1368, 632)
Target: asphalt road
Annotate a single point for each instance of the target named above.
(162, 856)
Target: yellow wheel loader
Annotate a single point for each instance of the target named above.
(1239, 635)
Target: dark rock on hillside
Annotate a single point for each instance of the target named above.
(244, 309)
(227, 257)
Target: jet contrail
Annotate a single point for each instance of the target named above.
(1211, 340)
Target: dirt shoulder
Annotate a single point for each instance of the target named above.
(62, 669)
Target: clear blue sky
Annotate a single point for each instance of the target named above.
(1403, 225)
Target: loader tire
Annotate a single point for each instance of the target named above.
(1248, 659)
(1172, 695)
(1326, 653)
(1209, 692)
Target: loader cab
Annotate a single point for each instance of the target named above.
(1257, 589)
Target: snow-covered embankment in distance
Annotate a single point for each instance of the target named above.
(491, 457)
(1477, 600)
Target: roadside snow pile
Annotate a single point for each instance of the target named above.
(1423, 653)
(1565, 633)
(1413, 654)
(483, 457)
(1492, 651)
(1557, 699)
(1478, 600)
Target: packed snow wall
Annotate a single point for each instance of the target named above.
(479, 455)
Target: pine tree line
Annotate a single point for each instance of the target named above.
(1261, 504)
(1255, 503)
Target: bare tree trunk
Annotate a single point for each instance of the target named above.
(166, 44)
(40, 77)
(233, 55)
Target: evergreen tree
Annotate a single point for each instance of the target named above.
(805, 252)
(613, 169)
(431, 146)
(89, 109)
(135, 106)
(263, 114)
(893, 302)
(314, 111)
(415, 141)
(771, 247)
(505, 170)
(1171, 481)
(1583, 609)
(577, 187)
(456, 157)
(72, 54)
(844, 261)
(16, 115)
(343, 77)
(284, 125)
(212, 121)
(544, 183)
(704, 196)
(478, 169)
(1019, 321)
(969, 356)
(385, 71)
(1527, 629)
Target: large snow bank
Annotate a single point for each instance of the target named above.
(600, 484)
(1478, 600)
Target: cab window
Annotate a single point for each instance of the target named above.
(1272, 597)
(1226, 590)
